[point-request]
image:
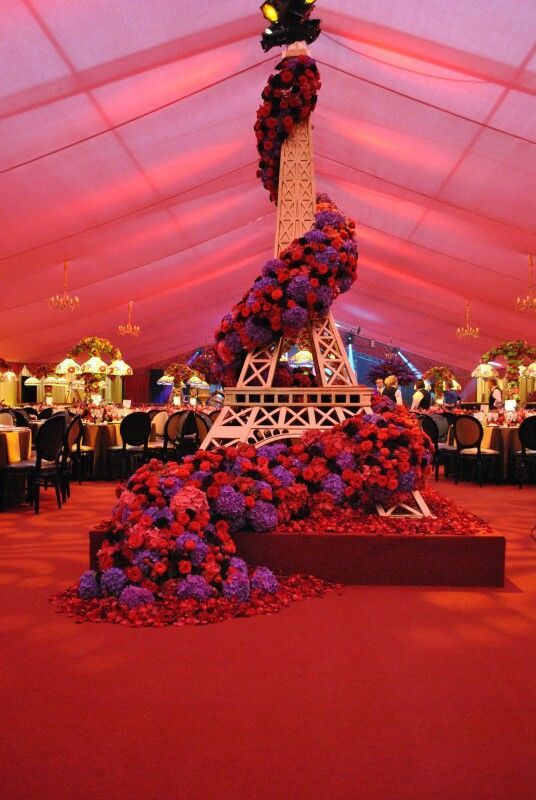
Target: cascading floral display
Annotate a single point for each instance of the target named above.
(292, 290)
(438, 377)
(170, 535)
(392, 365)
(516, 353)
(289, 98)
(181, 373)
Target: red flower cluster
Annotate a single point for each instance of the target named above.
(289, 97)
(293, 289)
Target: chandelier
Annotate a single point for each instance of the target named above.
(528, 303)
(129, 329)
(64, 301)
(467, 331)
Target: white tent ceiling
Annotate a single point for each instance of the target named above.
(127, 147)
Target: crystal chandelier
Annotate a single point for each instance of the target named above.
(467, 331)
(129, 329)
(64, 301)
(528, 303)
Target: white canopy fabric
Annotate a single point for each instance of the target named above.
(127, 147)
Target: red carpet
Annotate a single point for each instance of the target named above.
(374, 693)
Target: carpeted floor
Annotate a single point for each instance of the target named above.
(369, 694)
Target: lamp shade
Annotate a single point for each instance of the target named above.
(197, 383)
(165, 380)
(32, 381)
(95, 366)
(120, 368)
(68, 367)
(530, 372)
(484, 371)
(54, 380)
(9, 376)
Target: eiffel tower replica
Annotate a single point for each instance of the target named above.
(255, 410)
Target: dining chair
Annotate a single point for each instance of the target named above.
(21, 418)
(172, 443)
(135, 430)
(527, 455)
(30, 411)
(45, 413)
(443, 453)
(468, 435)
(7, 417)
(71, 457)
(42, 470)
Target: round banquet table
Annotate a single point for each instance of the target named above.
(15, 444)
(506, 441)
(101, 436)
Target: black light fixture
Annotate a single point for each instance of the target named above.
(289, 22)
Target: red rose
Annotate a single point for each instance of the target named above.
(134, 574)
(185, 567)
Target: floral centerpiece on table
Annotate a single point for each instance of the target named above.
(204, 365)
(516, 354)
(438, 377)
(392, 364)
(96, 347)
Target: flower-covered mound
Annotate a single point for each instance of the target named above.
(450, 520)
(292, 290)
(170, 536)
(288, 98)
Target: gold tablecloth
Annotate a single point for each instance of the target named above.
(15, 445)
(101, 436)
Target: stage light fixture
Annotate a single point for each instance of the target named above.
(289, 22)
(270, 12)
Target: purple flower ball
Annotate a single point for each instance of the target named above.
(88, 588)
(233, 342)
(335, 486)
(264, 580)
(230, 504)
(198, 555)
(262, 516)
(144, 560)
(344, 283)
(295, 318)
(270, 268)
(258, 332)
(195, 587)
(134, 596)
(407, 480)
(298, 289)
(113, 581)
(239, 564)
(236, 587)
(315, 236)
(163, 517)
(324, 218)
(272, 451)
(345, 461)
(283, 475)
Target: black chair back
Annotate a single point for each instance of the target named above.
(45, 413)
(527, 434)
(206, 419)
(429, 426)
(73, 434)
(450, 417)
(30, 411)
(173, 426)
(49, 439)
(468, 432)
(21, 417)
(442, 426)
(135, 429)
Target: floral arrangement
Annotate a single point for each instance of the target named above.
(95, 346)
(204, 365)
(531, 398)
(289, 97)
(181, 374)
(392, 365)
(292, 290)
(171, 528)
(438, 377)
(516, 353)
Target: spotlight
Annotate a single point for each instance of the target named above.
(289, 22)
(270, 11)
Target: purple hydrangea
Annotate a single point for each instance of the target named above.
(144, 560)
(270, 268)
(344, 283)
(406, 481)
(161, 515)
(200, 475)
(264, 580)
(239, 564)
(264, 283)
(324, 296)
(324, 218)
(295, 318)
(125, 515)
(198, 555)
(272, 451)
(113, 581)
(230, 504)
(345, 461)
(262, 516)
(169, 491)
(326, 256)
(88, 588)
(335, 486)
(236, 587)
(233, 342)
(134, 596)
(258, 331)
(283, 475)
(298, 289)
(315, 236)
(194, 587)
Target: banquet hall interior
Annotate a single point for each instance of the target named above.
(268, 399)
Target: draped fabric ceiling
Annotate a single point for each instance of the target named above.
(127, 148)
